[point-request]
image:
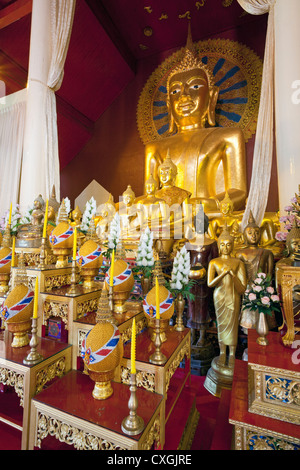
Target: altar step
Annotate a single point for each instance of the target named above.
(214, 432)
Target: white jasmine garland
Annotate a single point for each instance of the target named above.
(114, 232)
(89, 212)
(145, 256)
(181, 269)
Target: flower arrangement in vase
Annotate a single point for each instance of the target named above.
(261, 297)
(180, 284)
(291, 219)
(145, 259)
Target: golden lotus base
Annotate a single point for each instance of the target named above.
(103, 388)
(218, 378)
(20, 333)
(120, 299)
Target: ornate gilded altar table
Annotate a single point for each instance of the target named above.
(67, 413)
(265, 406)
(28, 380)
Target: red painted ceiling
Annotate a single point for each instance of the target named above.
(108, 39)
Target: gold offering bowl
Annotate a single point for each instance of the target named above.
(120, 298)
(4, 281)
(197, 272)
(19, 330)
(103, 388)
(62, 256)
(164, 324)
(88, 275)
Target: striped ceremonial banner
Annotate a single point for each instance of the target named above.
(83, 260)
(56, 239)
(8, 313)
(164, 306)
(91, 357)
(6, 260)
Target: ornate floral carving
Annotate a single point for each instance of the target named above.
(15, 380)
(56, 309)
(143, 379)
(56, 369)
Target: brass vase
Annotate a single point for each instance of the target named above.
(145, 284)
(179, 308)
(103, 388)
(20, 333)
(262, 329)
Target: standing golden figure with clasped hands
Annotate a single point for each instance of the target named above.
(209, 160)
(227, 275)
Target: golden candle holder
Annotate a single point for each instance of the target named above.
(73, 290)
(20, 333)
(132, 424)
(111, 298)
(179, 305)
(157, 357)
(33, 357)
(43, 254)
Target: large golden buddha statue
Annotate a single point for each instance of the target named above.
(210, 160)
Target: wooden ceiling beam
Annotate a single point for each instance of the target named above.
(105, 21)
(14, 12)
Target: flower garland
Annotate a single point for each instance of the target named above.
(180, 282)
(145, 257)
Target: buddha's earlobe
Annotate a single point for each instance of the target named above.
(213, 97)
(172, 125)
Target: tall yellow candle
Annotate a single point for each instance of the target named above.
(46, 220)
(10, 212)
(157, 299)
(13, 252)
(75, 244)
(133, 348)
(111, 277)
(36, 295)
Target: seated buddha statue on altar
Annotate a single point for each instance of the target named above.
(104, 215)
(150, 208)
(210, 160)
(30, 235)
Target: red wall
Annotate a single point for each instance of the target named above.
(114, 156)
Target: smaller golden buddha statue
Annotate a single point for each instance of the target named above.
(30, 235)
(75, 217)
(150, 209)
(227, 275)
(104, 215)
(292, 246)
(256, 258)
(128, 214)
(227, 216)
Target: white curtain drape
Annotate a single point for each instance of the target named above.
(12, 123)
(263, 148)
(62, 15)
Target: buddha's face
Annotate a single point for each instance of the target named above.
(128, 199)
(150, 188)
(252, 235)
(189, 97)
(166, 175)
(225, 208)
(294, 245)
(225, 246)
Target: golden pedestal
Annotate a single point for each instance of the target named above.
(288, 277)
(218, 378)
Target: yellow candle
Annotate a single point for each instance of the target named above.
(46, 220)
(75, 244)
(157, 299)
(10, 211)
(133, 347)
(111, 277)
(36, 295)
(13, 252)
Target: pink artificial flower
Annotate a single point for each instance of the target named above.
(270, 290)
(281, 236)
(257, 288)
(252, 296)
(258, 280)
(275, 298)
(265, 300)
(288, 208)
(263, 275)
